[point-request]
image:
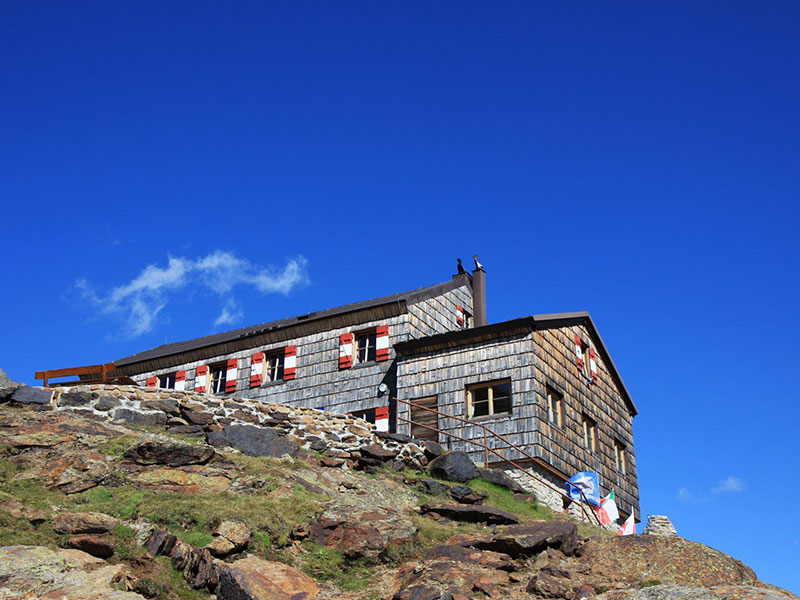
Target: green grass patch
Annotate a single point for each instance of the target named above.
(328, 564)
(504, 499)
(125, 546)
(195, 537)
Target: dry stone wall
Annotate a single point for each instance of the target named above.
(253, 427)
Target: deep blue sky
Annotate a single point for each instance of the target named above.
(637, 160)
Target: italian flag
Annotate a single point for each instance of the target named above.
(628, 527)
(607, 511)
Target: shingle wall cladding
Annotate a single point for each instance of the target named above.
(446, 374)
(563, 447)
(319, 382)
(438, 314)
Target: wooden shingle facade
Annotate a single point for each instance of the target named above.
(545, 382)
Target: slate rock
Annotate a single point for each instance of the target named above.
(432, 449)
(471, 514)
(525, 540)
(395, 437)
(83, 522)
(106, 403)
(453, 466)
(499, 478)
(197, 417)
(138, 417)
(201, 570)
(92, 544)
(188, 430)
(7, 391)
(161, 542)
(170, 453)
(361, 533)
(484, 558)
(75, 399)
(4, 379)
(377, 452)
(318, 445)
(25, 394)
(434, 487)
(465, 495)
(253, 578)
(166, 405)
(546, 586)
(20, 511)
(253, 440)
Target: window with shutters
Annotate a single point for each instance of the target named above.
(167, 381)
(365, 347)
(589, 433)
(555, 410)
(217, 377)
(489, 399)
(619, 457)
(274, 366)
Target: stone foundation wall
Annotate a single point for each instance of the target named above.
(339, 437)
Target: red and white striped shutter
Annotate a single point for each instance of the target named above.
(460, 315)
(289, 362)
(345, 350)
(382, 343)
(201, 379)
(257, 369)
(382, 418)
(180, 381)
(151, 381)
(593, 364)
(578, 351)
(230, 376)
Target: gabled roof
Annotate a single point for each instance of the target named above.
(311, 322)
(521, 326)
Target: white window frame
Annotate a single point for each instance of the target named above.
(490, 385)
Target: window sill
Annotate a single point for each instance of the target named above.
(272, 383)
(495, 417)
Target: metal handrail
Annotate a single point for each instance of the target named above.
(487, 449)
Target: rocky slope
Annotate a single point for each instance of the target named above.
(95, 506)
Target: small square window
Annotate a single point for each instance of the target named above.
(217, 377)
(555, 411)
(619, 457)
(366, 347)
(589, 433)
(167, 381)
(274, 366)
(485, 399)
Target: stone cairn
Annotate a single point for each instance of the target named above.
(659, 525)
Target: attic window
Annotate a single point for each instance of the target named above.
(487, 399)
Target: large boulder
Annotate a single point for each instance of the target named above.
(148, 418)
(357, 532)
(92, 544)
(38, 572)
(75, 399)
(229, 537)
(453, 466)
(471, 513)
(83, 522)
(524, 540)
(169, 452)
(25, 394)
(253, 440)
(447, 577)
(255, 579)
(501, 479)
(670, 560)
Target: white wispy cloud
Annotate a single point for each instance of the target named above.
(729, 484)
(231, 313)
(684, 495)
(139, 302)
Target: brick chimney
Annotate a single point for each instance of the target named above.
(479, 297)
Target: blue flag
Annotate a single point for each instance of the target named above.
(587, 482)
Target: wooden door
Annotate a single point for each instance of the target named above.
(424, 417)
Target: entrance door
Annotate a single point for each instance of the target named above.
(421, 417)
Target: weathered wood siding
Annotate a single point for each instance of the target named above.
(446, 374)
(438, 314)
(319, 382)
(563, 447)
(532, 362)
